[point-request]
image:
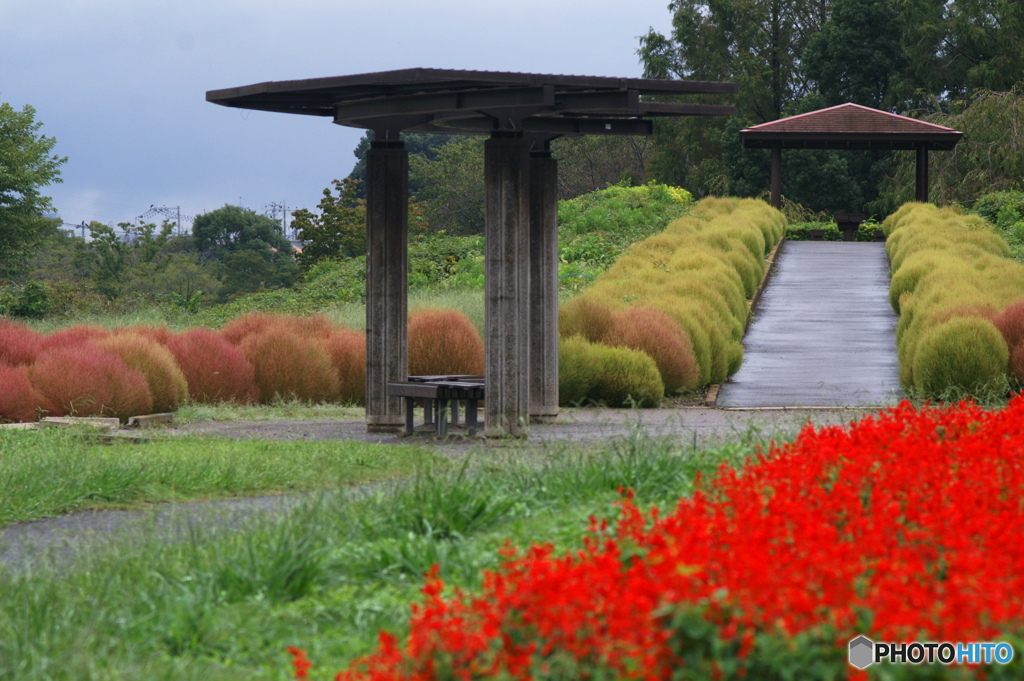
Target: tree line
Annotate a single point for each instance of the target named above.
(959, 63)
(931, 59)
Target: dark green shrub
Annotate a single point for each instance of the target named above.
(801, 231)
(1001, 207)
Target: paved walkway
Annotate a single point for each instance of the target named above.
(823, 334)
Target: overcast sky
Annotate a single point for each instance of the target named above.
(121, 84)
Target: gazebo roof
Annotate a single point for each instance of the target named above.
(478, 102)
(849, 126)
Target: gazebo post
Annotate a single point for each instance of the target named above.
(543, 327)
(387, 276)
(777, 175)
(507, 284)
(922, 173)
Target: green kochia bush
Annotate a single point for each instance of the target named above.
(950, 279)
(613, 376)
(700, 272)
(965, 355)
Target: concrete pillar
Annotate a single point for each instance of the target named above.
(543, 286)
(507, 284)
(777, 175)
(387, 282)
(922, 173)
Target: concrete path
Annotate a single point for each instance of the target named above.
(823, 334)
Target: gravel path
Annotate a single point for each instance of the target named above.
(573, 426)
(58, 541)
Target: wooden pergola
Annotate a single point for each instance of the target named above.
(521, 113)
(849, 126)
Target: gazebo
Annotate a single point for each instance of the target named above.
(849, 126)
(521, 113)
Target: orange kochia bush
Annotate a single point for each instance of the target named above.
(903, 526)
(444, 342)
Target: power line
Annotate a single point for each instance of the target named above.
(167, 212)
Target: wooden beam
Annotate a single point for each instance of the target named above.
(387, 267)
(543, 286)
(434, 102)
(507, 285)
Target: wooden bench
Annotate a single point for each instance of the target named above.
(445, 391)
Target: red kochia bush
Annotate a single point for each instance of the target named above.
(347, 349)
(289, 366)
(19, 344)
(444, 342)
(19, 400)
(1010, 323)
(85, 380)
(661, 337)
(216, 370)
(903, 526)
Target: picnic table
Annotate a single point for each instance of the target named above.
(439, 394)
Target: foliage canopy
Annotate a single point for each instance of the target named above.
(27, 164)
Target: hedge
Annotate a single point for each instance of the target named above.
(951, 281)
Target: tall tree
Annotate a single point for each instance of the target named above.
(593, 162)
(451, 187)
(754, 43)
(251, 252)
(27, 164)
(425, 145)
(338, 231)
(955, 47)
(856, 52)
(989, 158)
(986, 43)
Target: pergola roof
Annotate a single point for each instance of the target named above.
(849, 126)
(479, 102)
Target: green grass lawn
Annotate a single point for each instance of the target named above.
(326, 576)
(53, 471)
